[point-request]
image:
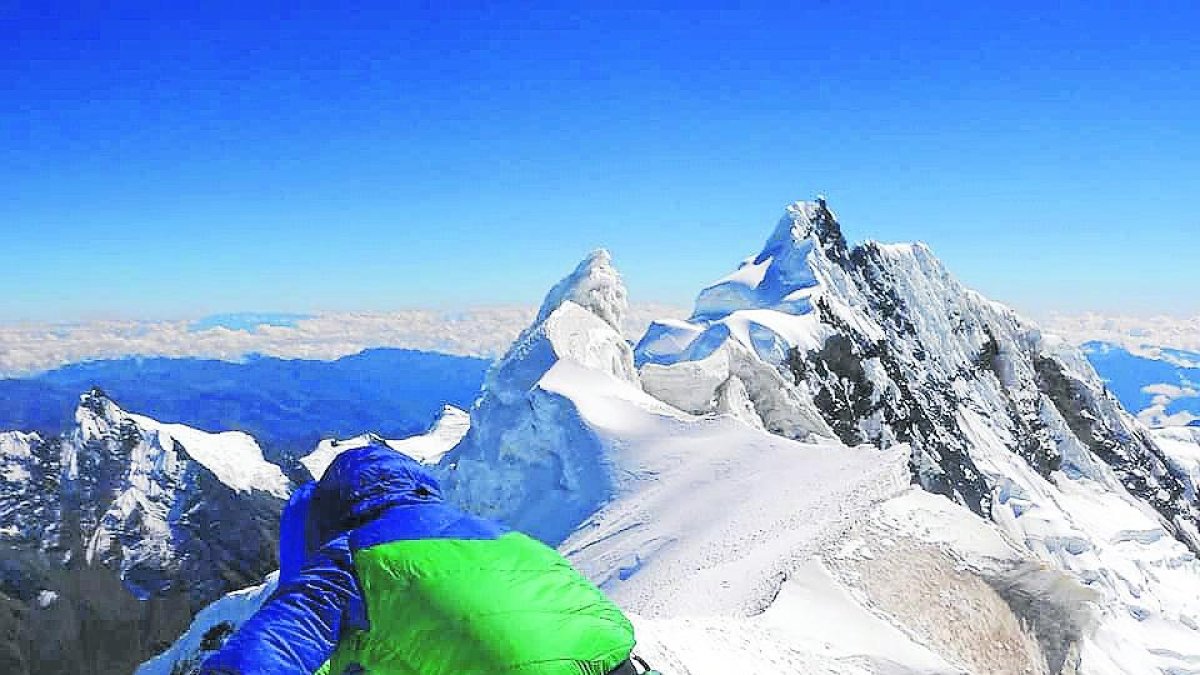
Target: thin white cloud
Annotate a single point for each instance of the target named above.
(1166, 394)
(1144, 336)
(1170, 391)
(1156, 417)
(486, 332)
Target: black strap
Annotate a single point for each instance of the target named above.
(626, 668)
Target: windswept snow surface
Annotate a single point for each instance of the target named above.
(428, 448)
(713, 536)
(708, 513)
(234, 457)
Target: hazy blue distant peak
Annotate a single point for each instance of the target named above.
(247, 321)
(286, 404)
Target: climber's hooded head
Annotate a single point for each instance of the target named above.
(363, 482)
(357, 487)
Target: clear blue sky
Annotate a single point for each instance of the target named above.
(213, 157)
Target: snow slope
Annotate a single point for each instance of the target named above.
(233, 457)
(209, 629)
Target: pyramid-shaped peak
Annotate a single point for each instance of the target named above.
(804, 220)
(595, 285)
(97, 403)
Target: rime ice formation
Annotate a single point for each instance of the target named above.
(528, 459)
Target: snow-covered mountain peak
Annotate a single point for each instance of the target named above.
(580, 321)
(143, 501)
(428, 448)
(879, 343)
(804, 221)
(234, 457)
(528, 458)
(16, 443)
(96, 414)
(790, 269)
(595, 286)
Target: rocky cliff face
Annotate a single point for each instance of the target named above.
(116, 532)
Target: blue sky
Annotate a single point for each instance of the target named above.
(180, 161)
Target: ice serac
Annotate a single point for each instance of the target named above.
(884, 346)
(528, 459)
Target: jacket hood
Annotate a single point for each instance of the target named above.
(363, 482)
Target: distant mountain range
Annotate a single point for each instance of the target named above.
(288, 405)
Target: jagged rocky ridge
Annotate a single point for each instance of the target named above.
(115, 533)
(887, 347)
(882, 345)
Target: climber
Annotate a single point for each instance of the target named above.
(379, 575)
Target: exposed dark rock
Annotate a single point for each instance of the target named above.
(1134, 458)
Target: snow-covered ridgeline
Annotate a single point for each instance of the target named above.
(722, 494)
(704, 521)
(428, 448)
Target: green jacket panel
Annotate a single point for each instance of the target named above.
(481, 606)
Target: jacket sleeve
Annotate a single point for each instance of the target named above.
(299, 627)
(294, 544)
